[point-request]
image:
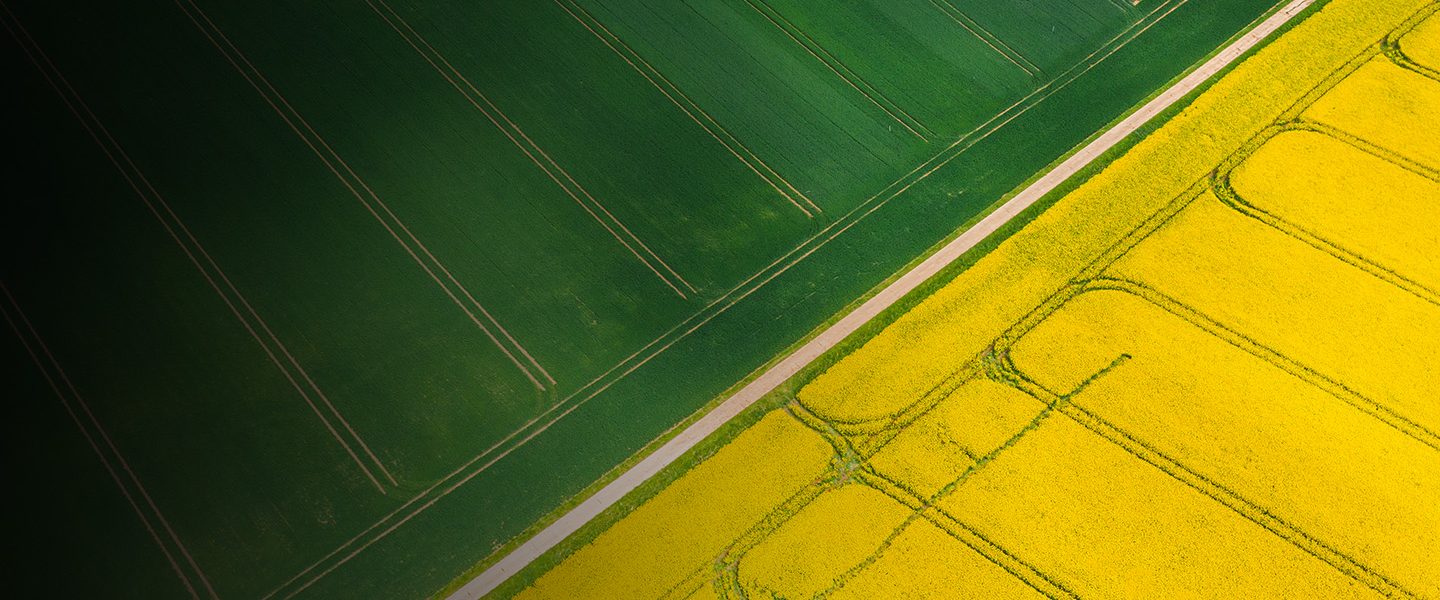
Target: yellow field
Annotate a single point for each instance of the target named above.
(684, 528)
(1210, 371)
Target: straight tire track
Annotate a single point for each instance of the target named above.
(355, 184)
(988, 38)
(691, 109)
(175, 227)
(577, 192)
(818, 52)
(104, 460)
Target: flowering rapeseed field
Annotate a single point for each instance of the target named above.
(1211, 370)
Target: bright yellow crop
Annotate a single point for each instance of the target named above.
(832, 535)
(1105, 525)
(1422, 44)
(975, 420)
(1348, 198)
(706, 592)
(926, 563)
(1252, 429)
(1387, 105)
(682, 529)
(1284, 295)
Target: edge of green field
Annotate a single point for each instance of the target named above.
(786, 391)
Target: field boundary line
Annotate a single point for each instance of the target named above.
(530, 148)
(99, 453)
(330, 158)
(1011, 55)
(841, 70)
(691, 108)
(673, 449)
(160, 209)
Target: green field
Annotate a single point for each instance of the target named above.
(342, 296)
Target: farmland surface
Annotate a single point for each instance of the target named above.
(1208, 371)
(335, 298)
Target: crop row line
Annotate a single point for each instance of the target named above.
(1222, 494)
(1397, 55)
(984, 130)
(849, 466)
(1004, 371)
(921, 504)
(699, 578)
(1091, 270)
(869, 206)
(1123, 6)
(788, 260)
